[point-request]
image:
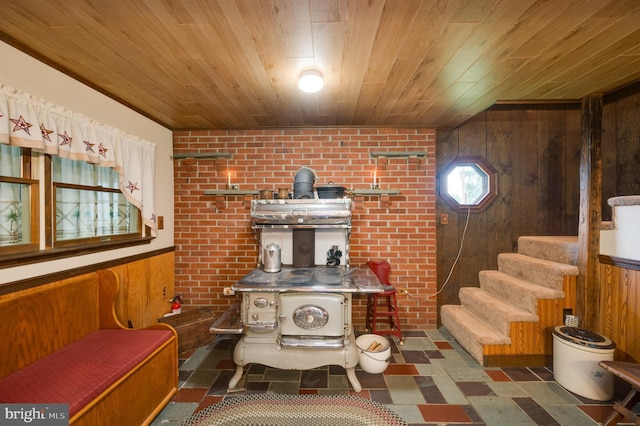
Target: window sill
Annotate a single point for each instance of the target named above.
(27, 258)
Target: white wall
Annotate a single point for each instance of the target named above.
(25, 73)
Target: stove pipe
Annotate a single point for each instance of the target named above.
(303, 183)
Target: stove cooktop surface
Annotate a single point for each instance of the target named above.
(319, 278)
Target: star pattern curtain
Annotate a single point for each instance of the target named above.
(30, 122)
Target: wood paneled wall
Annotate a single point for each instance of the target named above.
(620, 145)
(146, 286)
(620, 310)
(147, 283)
(536, 152)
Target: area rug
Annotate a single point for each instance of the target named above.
(295, 410)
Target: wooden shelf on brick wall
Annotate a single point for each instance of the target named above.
(202, 155)
(231, 192)
(384, 194)
(222, 195)
(374, 192)
(398, 154)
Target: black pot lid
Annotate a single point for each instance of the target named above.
(584, 337)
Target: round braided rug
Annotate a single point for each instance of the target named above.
(295, 410)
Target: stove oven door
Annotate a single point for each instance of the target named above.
(312, 319)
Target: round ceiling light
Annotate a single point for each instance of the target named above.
(311, 82)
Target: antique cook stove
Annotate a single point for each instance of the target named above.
(300, 317)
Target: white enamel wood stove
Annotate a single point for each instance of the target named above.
(300, 317)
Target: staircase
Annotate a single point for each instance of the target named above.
(507, 321)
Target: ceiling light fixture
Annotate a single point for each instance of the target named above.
(310, 82)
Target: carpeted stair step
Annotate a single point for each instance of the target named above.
(470, 331)
(493, 311)
(561, 249)
(516, 292)
(538, 271)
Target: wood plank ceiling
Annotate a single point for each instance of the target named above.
(192, 64)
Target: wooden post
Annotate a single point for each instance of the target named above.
(588, 283)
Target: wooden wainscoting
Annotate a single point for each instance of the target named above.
(146, 286)
(620, 309)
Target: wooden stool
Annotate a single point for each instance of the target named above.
(383, 305)
(630, 373)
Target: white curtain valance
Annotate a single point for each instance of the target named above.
(31, 122)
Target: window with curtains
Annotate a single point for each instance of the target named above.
(18, 202)
(68, 182)
(88, 204)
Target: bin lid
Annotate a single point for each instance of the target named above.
(583, 337)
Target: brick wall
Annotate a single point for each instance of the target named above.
(215, 245)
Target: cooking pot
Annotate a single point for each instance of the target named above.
(266, 194)
(330, 190)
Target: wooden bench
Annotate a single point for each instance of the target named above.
(630, 373)
(63, 344)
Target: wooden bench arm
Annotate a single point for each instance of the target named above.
(109, 285)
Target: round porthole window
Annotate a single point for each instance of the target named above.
(468, 182)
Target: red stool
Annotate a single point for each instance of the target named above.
(383, 305)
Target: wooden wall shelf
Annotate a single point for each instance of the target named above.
(231, 192)
(376, 192)
(197, 155)
(398, 154)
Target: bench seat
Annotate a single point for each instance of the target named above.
(78, 373)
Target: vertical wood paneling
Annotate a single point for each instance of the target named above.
(499, 154)
(551, 172)
(620, 310)
(472, 141)
(525, 174)
(448, 235)
(146, 286)
(620, 145)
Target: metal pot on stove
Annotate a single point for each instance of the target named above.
(271, 258)
(330, 190)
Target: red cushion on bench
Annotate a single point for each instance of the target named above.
(78, 373)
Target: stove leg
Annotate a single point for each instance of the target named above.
(351, 375)
(236, 376)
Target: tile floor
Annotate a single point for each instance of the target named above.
(430, 381)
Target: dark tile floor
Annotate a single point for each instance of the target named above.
(431, 381)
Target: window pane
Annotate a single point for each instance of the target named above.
(10, 162)
(82, 213)
(468, 184)
(82, 173)
(14, 206)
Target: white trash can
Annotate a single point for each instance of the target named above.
(576, 354)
